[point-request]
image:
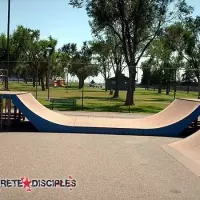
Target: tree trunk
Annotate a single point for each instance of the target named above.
(130, 94)
(106, 87)
(81, 82)
(199, 88)
(42, 83)
(147, 86)
(25, 80)
(160, 88)
(116, 94)
(47, 81)
(167, 89)
(131, 88)
(188, 89)
(39, 81)
(34, 80)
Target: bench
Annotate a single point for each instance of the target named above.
(66, 102)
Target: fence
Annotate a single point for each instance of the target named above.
(92, 98)
(97, 99)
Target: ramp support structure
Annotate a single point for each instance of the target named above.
(1, 112)
(8, 114)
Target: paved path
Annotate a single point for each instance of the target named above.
(105, 167)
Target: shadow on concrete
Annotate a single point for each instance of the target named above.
(20, 127)
(28, 127)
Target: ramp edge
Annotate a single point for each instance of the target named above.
(185, 161)
(194, 100)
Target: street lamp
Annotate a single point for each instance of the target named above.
(82, 91)
(48, 70)
(8, 41)
(36, 84)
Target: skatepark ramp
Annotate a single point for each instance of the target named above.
(169, 122)
(187, 152)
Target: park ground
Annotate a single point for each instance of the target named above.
(97, 100)
(104, 167)
(109, 167)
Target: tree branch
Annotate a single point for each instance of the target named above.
(148, 43)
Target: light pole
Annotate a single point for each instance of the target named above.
(175, 84)
(36, 91)
(48, 70)
(8, 42)
(82, 92)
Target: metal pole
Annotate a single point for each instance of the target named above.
(67, 81)
(82, 93)
(9, 112)
(175, 85)
(1, 110)
(8, 42)
(48, 80)
(36, 82)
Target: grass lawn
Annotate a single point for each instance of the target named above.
(99, 100)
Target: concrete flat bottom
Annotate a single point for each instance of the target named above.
(105, 167)
(105, 114)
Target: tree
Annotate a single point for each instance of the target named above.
(80, 62)
(60, 63)
(136, 23)
(44, 59)
(162, 54)
(188, 77)
(27, 40)
(146, 68)
(184, 38)
(101, 52)
(3, 50)
(116, 60)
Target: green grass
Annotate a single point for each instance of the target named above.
(99, 100)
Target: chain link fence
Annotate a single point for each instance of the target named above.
(50, 80)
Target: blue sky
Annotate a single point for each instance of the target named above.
(54, 17)
(51, 17)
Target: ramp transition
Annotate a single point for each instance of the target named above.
(187, 152)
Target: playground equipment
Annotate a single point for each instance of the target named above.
(180, 114)
(59, 82)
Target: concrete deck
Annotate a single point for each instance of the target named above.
(105, 167)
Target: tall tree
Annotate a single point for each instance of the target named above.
(188, 77)
(136, 23)
(80, 62)
(116, 59)
(185, 39)
(161, 52)
(101, 52)
(146, 68)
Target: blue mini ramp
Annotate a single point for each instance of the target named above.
(169, 122)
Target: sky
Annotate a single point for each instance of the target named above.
(51, 17)
(55, 18)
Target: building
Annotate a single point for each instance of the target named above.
(123, 82)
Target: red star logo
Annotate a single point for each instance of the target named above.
(26, 183)
(70, 177)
